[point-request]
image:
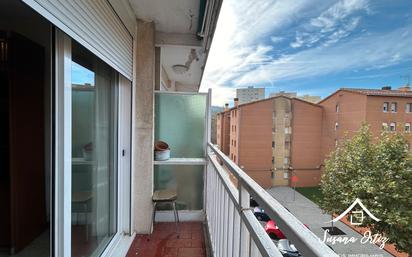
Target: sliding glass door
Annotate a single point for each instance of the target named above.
(94, 153)
(87, 151)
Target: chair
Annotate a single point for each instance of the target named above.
(166, 196)
(81, 204)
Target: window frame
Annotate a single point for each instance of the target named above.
(385, 107)
(392, 125)
(408, 108)
(394, 104)
(407, 125)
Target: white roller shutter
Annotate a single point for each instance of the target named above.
(95, 25)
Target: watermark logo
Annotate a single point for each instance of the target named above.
(356, 217)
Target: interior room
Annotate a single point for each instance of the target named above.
(25, 82)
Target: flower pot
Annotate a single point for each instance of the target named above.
(161, 146)
(162, 155)
(87, 154)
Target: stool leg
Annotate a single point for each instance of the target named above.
(176, 217)
(154, 213)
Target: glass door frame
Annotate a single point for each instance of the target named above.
(62, 176)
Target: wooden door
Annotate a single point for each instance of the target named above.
(27, 151)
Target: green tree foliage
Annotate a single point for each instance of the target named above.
(379, 172)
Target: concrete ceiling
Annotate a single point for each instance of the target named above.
(193, 58)
(172, 16)
(176, 24)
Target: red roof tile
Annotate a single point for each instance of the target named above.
(379, 92)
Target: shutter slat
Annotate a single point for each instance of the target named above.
(96, 23)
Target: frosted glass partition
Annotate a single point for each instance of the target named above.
(180, 120)
(188, 180)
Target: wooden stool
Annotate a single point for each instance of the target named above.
(165, 196)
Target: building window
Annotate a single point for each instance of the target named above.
(336, 126)
(273, 160)
(385, 126)
(408, 107)
(394, 107)
(287, 145)
(273, 144)
(288, 130)
(337, 108)
(234, 158)
(408, 127)
(385, 106)
(286, 160)
(234, 143)
(392, 127)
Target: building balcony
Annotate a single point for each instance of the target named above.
(213, 194)
(229, 226)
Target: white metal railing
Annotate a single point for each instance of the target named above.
(233, 228)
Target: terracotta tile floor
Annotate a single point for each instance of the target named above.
(164, 242)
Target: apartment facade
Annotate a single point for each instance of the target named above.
(383, 109)
(307, 98)
(223, 130)
(250, 94)
(280, 137)
(267, 137)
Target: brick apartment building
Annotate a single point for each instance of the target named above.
(275, 138)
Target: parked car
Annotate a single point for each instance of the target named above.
(273, 230)
(260, 214)
(287, 249)
(253, 203)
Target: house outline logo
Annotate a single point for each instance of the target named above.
(355, 214)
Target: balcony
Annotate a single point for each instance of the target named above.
(232, 226)
(213, 191)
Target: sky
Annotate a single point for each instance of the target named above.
(81, 75)
(309, 46)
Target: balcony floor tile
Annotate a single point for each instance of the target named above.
(163, 242)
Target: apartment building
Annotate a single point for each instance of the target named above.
(250, 94)
(283, 93)
(279, 137)
(308, 98)
(345, 110)
(223, 130)
(275, 138)
(311, 98)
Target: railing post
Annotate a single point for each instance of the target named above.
(244, 203)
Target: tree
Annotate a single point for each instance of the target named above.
(379, 172)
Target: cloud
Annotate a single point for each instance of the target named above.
(242, 25)
(331, 18)
(220, 94)
(276, 40)
(264, 41)
(333, 24)
(367, 52)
